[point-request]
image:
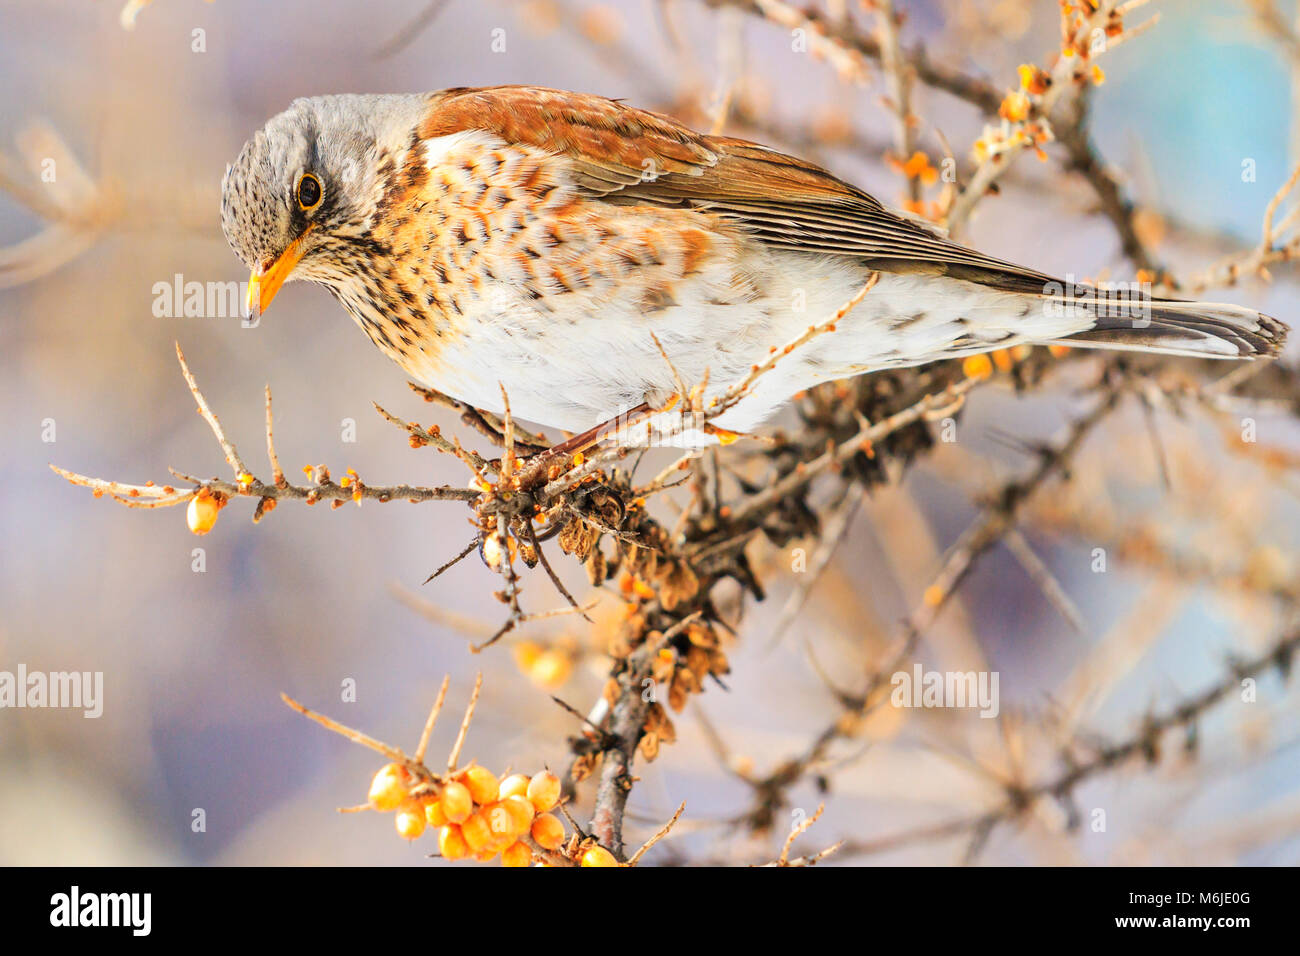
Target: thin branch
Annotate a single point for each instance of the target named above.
(454, 757)
(662, 832)
(227, 446)
(433, 719)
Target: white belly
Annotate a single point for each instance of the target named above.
(576, 368)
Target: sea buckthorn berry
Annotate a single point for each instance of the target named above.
(451, 843)
(500, 821)
(476, 831)
(388, 788)
(977, 366)
(526, 654)
(515, 785)
(521, 812)
(482, 784)
(434, 815)
(517, 854)
(410, 820)
(598, 856)
(551, 669)
(457, 804)
(201, 514)
(548, 831)
(544, 791)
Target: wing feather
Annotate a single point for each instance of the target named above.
(624, 155)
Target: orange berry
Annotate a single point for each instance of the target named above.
(457, 804)
(388, 787)
(548, 831)
(526, 654)
(201, 514)
(521, 813)
(485, 856)
(551, 669)
(500, 821)
(598, 856)
(409, 820)
(977, 366)
(476, 831)
(451, 843)
(544, 791)
(517, 854)
(434, 815)
(515, 785)
(482, 783)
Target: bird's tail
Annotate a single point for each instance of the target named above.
(1174, 327)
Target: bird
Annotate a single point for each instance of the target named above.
(577, 257)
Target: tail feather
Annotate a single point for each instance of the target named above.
(1197, 329)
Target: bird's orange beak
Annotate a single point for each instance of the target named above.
(265, 281)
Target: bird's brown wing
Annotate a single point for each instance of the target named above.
(622, 154)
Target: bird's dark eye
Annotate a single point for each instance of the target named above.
(309, 192)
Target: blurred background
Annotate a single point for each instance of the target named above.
(141, 123)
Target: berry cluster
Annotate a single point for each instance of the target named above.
(478, 815)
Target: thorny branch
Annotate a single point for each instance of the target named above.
(1146, 744)
(996, 520)
(245, 484)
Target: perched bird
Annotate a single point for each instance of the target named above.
(560, 245)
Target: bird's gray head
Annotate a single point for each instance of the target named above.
(303, 190)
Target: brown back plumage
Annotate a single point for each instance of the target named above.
(622, 154)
